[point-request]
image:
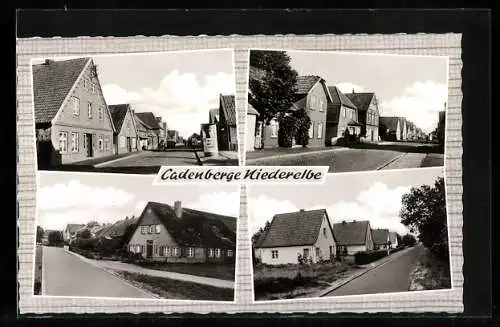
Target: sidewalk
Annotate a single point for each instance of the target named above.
(363, 270)
(223, 158)
(253, 157)
(406, 160)
(104, 160)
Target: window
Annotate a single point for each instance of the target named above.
(176, 251)
(85, 84)
(342, 111)
(138, 249)
(217, 253)
(321, 107)
(157, 229)
(162, 251)
(131, 248)
(100, 113)
(210, 253)
(274, 254)
(274, 128)
(151, 229)
(313, 102)
(93, 87)
(84, 141)
(63, 142)
(306, 253)
(230, 253)
(74, 142)
(311, 130)
(76, 106)
(155, 247)
(320, 130)
(317, 252)
(324, 232)
(134, 143)
(101, 144)
(190, 252)
(108, 143)
(89, 109)
(169, 251)
(144, 229)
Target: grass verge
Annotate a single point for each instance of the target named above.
(433, 160)
(430, 273)
(220, 271)
(293, 280)
(38, 270)
(175, 289)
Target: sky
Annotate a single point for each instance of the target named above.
(78, 198)
(180, 87)
(415, 87)
(353, 196)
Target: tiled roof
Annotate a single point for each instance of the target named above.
(213, 115)
(390, 123)
(118, 228)
(149, 119)
(140, 125)
(195, 228)
(339, 98)
(118, 113)
(294, 229)
(351, 233)
(228, 108)
(251, 110)
(305, 83)
(52, 83)
(361, 100)
(73, 228)
(380, 236)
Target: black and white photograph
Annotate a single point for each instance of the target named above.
(349, 111)
(136, 112)
(105, 236)
(357, 234)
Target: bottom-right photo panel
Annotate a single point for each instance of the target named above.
(355, 234)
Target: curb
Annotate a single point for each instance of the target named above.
(391, 162)
(289, 155)
(351, 278)
(102, 164)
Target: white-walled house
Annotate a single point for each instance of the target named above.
(252, 140)
(352, 237)
(393, 239)
(305, 233)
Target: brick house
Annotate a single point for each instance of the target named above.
(381, 239)
(313, 96)
(227, 135)
(307, 233)
(390, 128)
(143, 132)
(125, 136)
(181, 235)
(368, 114)
(353, 237)
(153, 129)
(72, 120)
(341, 116)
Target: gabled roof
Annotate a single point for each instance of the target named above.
(361, 100)
(140, 125)
(73, 228)
(228, 108)
(380, 236)
(149, 120)
(213, 115)
(294, 229)
(116, 229)
(195, 228)
(339, 98)
(252, 111)
(390, 123)
(304, 84)
(118, 113)
(393, 237)
(351, 233)
(52, 82)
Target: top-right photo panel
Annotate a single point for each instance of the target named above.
(349, 111)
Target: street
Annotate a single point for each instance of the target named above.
(382, 156)
(392, 276)
(65, 274)
(156, 159)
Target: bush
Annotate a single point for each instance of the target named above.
(364, 257)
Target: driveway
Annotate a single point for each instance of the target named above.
(392, 276)
(66, 275)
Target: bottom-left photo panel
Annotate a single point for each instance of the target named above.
(115, 236)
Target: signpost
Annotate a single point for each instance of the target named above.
(209, 139)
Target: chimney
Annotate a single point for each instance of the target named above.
(353, 91)
(178, 209)
(49, 61)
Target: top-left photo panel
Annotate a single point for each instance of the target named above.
(133, 113)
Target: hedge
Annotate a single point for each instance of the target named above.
(364, 257)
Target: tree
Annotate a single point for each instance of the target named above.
(85, 234)
(93, 223)
(39, 234)
(260, 232)
(424, 211)
(272, 84)
(408, 240)
(56, 238)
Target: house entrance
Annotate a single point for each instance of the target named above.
(258, 135)
(129, 144)
(149, 249)
(88, 144)
(371, 133)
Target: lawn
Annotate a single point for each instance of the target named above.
(176, 289)
(38, 270)
(293, 280)
(433, 160)
(219, 270)
(430, 273)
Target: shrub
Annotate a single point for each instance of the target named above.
(364, 257)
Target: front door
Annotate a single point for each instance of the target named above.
(88, 144)
(258, 135)
(372, 138)
(129, 144)
(149, 249)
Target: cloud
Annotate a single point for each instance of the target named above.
(139, 207)
(263, 208)
(419, 103)
(348, 87)
(58, 220)
(223, 203)
(181, 99)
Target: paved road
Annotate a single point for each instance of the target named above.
(392, 276)
(66, 275)
(149, 158)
